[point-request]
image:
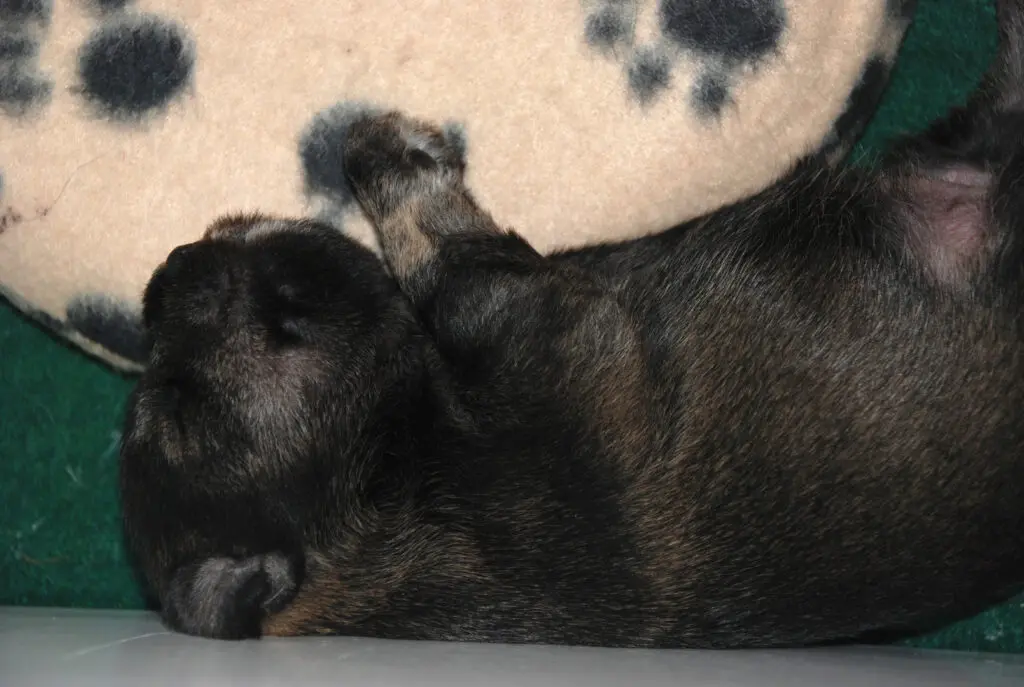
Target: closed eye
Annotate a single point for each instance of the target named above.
(288, 320)
(171, 398)
(289, 330)
(287, 307)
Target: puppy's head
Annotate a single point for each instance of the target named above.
(267, 336)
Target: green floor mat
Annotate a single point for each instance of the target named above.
(60, 412)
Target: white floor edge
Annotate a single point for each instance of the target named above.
(77, 648)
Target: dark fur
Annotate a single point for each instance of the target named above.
(797, 420)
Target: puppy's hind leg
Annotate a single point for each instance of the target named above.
(471, 282)
(957, 181)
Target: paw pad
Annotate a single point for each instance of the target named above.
(395, 143)
(325, 145)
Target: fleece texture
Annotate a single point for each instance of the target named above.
(127, 127)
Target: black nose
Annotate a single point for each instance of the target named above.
(196, 284)
(179, 256)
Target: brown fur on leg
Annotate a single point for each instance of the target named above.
(408, 178)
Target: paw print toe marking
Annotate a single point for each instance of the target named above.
(722, 36)
(132, 65)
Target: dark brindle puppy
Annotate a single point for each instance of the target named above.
(797, 420)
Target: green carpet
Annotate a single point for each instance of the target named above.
(60, 412)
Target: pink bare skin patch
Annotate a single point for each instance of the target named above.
(948, 230)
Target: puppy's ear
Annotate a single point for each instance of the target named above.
(227, 598)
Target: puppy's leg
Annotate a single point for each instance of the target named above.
(958, 180)
(505, 315)
(226, 597)
(408, 177)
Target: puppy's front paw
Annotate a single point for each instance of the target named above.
(227, 598)
(390, 158)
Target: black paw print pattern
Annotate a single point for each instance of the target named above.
(723, 36)
(131, 66)
(105, 6)
(110, 323)
(323, 163)
(23, 26)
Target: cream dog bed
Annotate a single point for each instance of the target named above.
(126, 127)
